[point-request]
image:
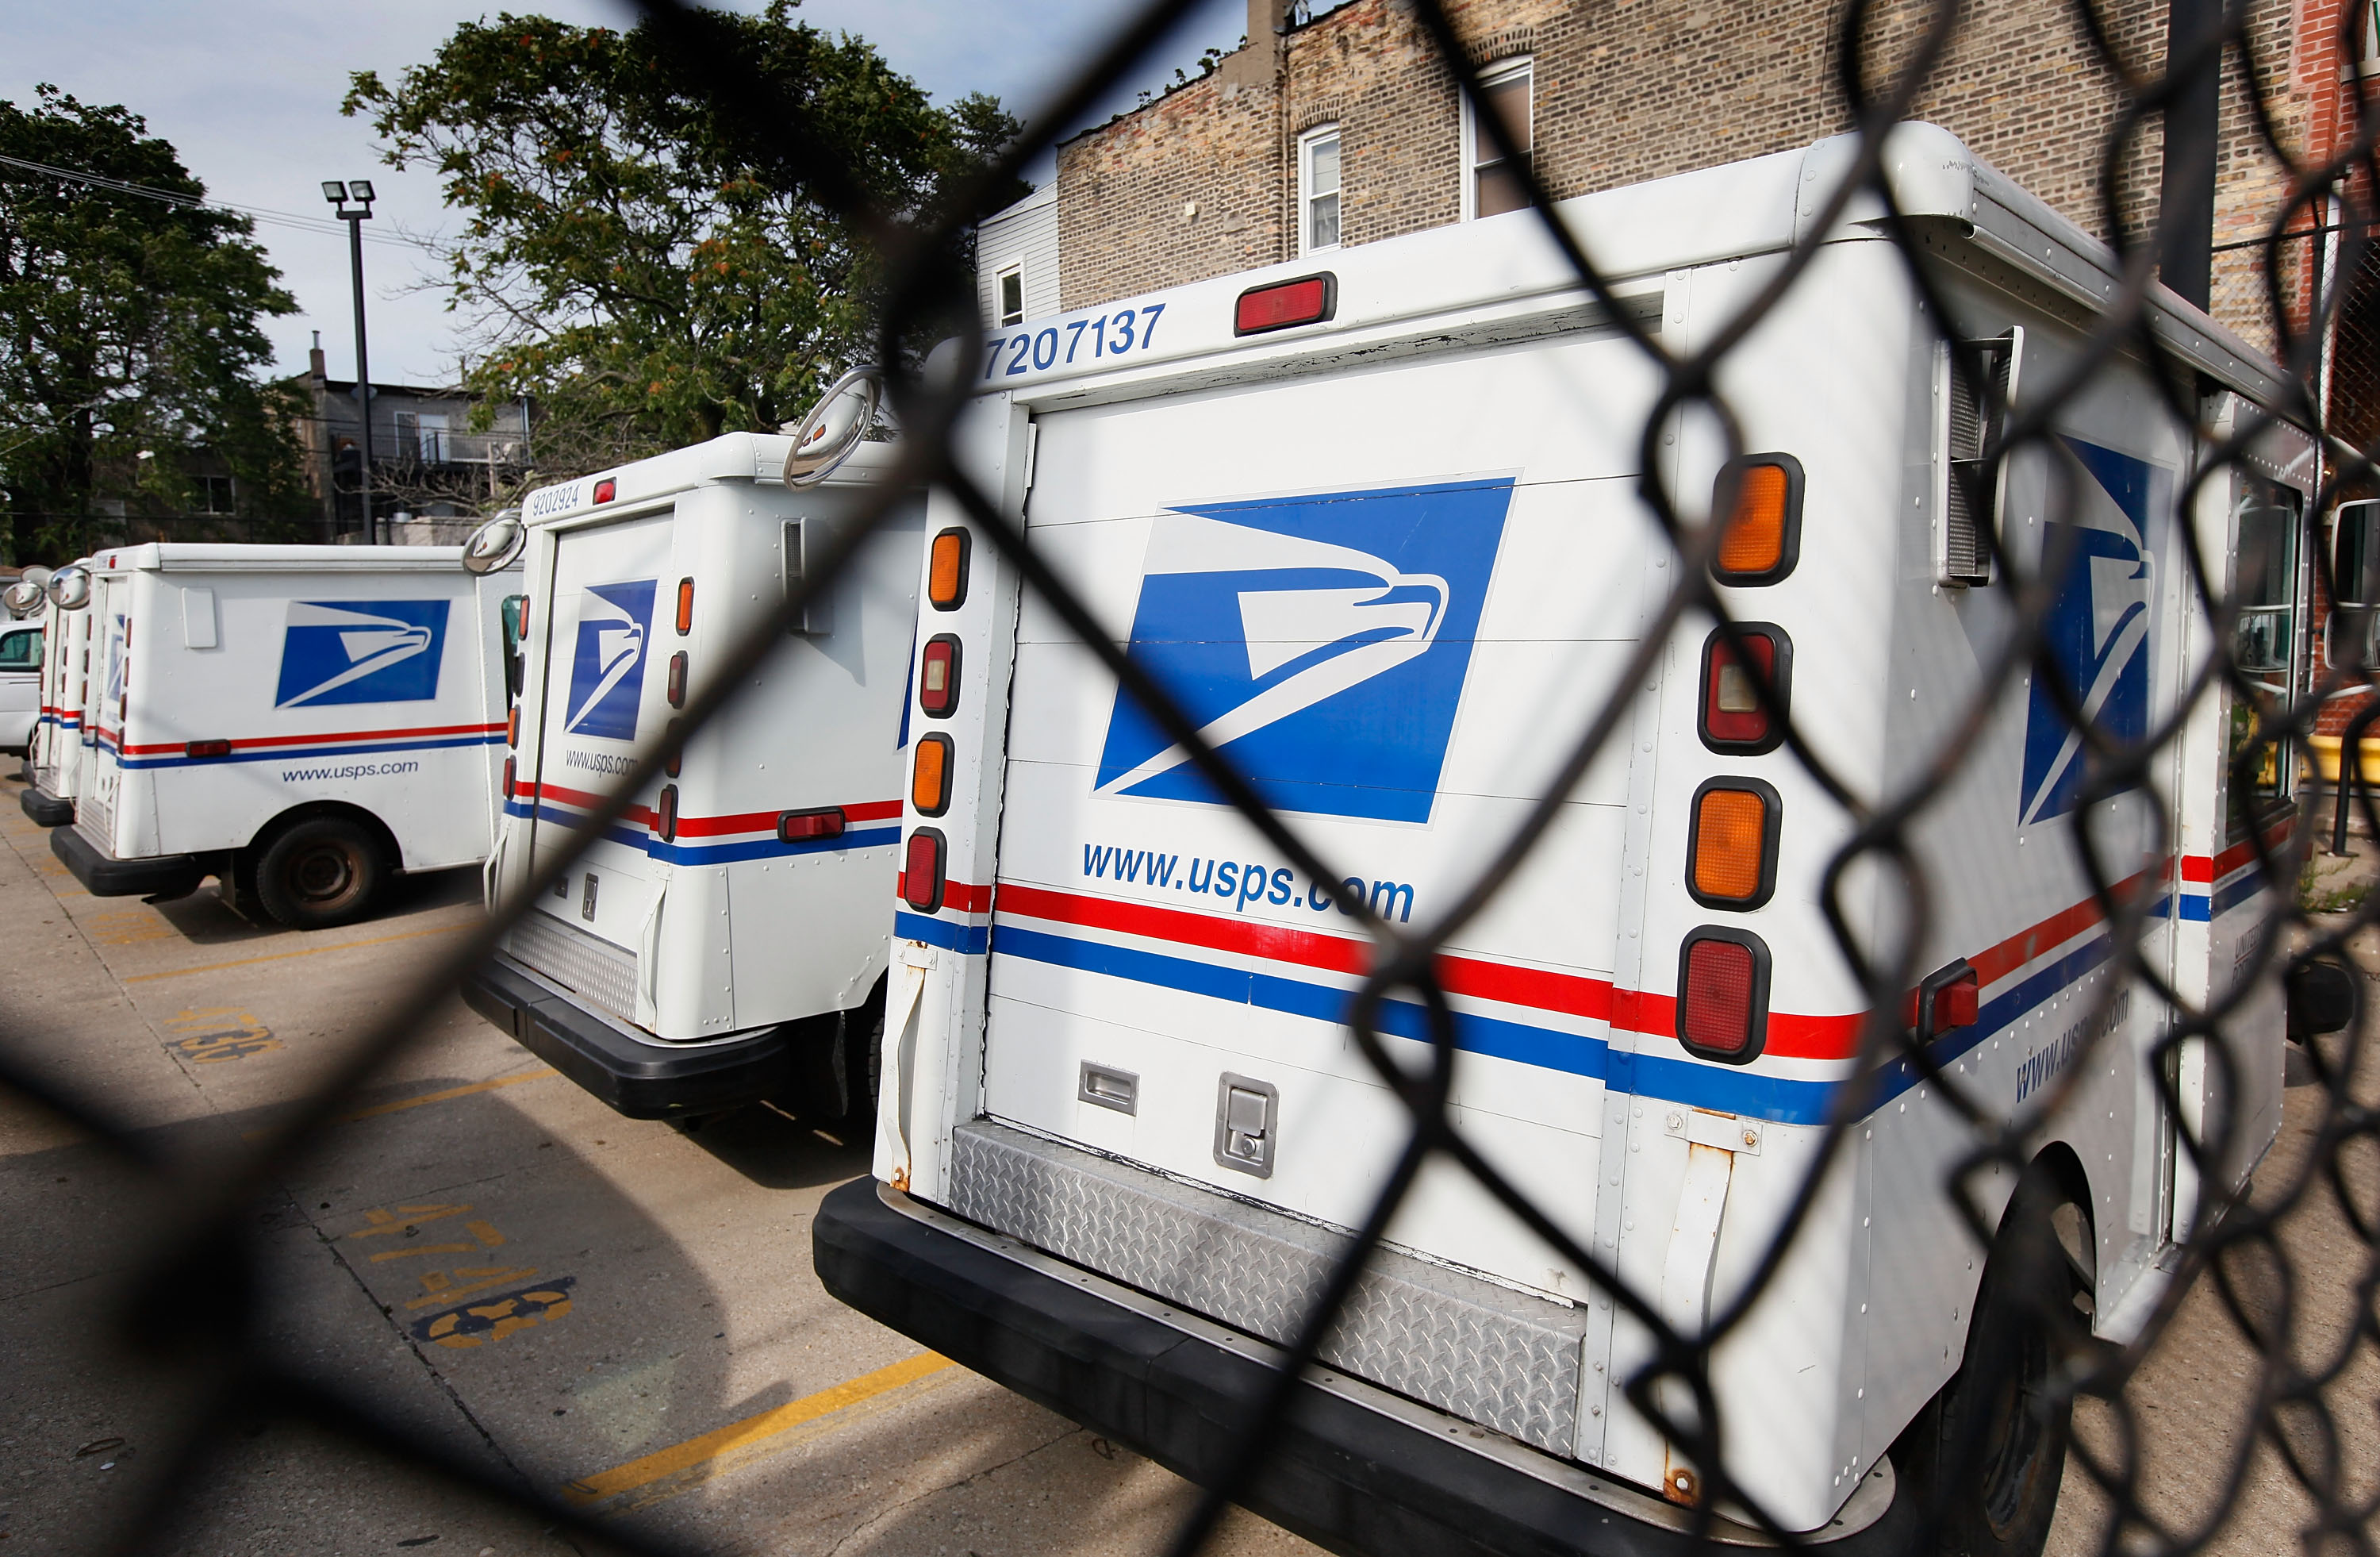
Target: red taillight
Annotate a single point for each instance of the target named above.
(1308, 301)
(921, 870)
(685, 606)
(797, 827)
(512, 725)
(606, 489)
(665, 814)
(207, 748)
(1733, 719)
(508, 778)
(677, 758)
(677, 680)
(938, 677)
(1723, 993)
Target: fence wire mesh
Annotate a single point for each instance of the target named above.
(2291, 1263)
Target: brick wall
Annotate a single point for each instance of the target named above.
(1199, 183)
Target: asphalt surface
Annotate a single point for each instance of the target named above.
(618, 1313)
(622, 1314)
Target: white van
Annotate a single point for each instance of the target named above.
(53, 763)
(726, 942)
(1373, 517)
(301, 722)
(21, 638)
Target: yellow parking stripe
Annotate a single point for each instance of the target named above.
(442, 1095)
(750, 1431)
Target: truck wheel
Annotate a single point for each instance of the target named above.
(864, 1058)
(1987, 1454)
(321, 872)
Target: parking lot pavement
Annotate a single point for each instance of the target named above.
(619, 1313)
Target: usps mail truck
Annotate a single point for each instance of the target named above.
(302, 723)
(1373, 517)
(21, 661)
(53, 763)
(726, 940)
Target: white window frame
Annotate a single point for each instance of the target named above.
(1000, 285)
(1492, 75)
(1306, 194)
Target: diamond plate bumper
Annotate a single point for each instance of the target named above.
(1355, 1468)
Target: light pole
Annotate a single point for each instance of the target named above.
(339, 195)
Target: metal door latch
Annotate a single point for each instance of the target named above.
(1246, 1113)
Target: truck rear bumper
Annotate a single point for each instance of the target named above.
(641, 1078)
(1355, 1469)
(45, 809)
(104, 875)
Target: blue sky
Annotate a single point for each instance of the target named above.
(248, 91)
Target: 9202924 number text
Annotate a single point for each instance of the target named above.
(1110, 335)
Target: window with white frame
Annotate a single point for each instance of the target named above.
(1491, 182)
(1318, 189)
(1011, 283)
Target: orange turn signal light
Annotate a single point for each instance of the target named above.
(685, 606)
(930, 775)
(946, 570)
(1732, 858)
(1761, 535)
(512, 725)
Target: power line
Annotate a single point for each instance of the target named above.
(321, 225)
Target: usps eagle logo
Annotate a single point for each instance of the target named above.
(361, 651)
(607, 660)
(1320, 642)
(2098, 631)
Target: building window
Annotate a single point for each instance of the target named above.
(1491, 184)
(210, 495)
(1318, 189)
(1012, 296)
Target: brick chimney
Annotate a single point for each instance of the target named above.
(314, 360)
(1258, 63)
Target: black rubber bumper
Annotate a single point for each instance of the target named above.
(104, 875)
(640, 1080)
(45, 809)
(1345, 1476)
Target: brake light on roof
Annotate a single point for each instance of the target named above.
(1733, 717)
(1731, 855)
(946, 570)
(606, 489)
(665, 814)
(921, 870)
(1760, 496)
(930, 775)
(1723, 993)
(798, 827)
(938, 677)
(677, 680)
(207, 748)
(1310, 300)
(685, 606)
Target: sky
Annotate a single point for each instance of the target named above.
(249, 91)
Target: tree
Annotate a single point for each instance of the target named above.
(127, 324)
(633, 256)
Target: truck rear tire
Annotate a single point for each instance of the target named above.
(321, 872)
(1988, 1452)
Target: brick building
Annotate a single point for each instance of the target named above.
(1345, 128)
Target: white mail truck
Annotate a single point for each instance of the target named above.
(302, 723)
(724, 942)
(21, 661)
(53, 763)
(1373, 517)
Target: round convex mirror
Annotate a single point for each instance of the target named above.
(22, 598)
(834, 427)
(69, 588)
(37, 576)
(494, 545)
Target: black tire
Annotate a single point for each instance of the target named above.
(863, 1059)
(321, 872)
(1987, 1454)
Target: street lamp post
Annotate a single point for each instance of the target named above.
(360, 190)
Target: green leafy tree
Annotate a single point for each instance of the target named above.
(634, 256)
(128, 324)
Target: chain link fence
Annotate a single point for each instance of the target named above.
(2293, 1263)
